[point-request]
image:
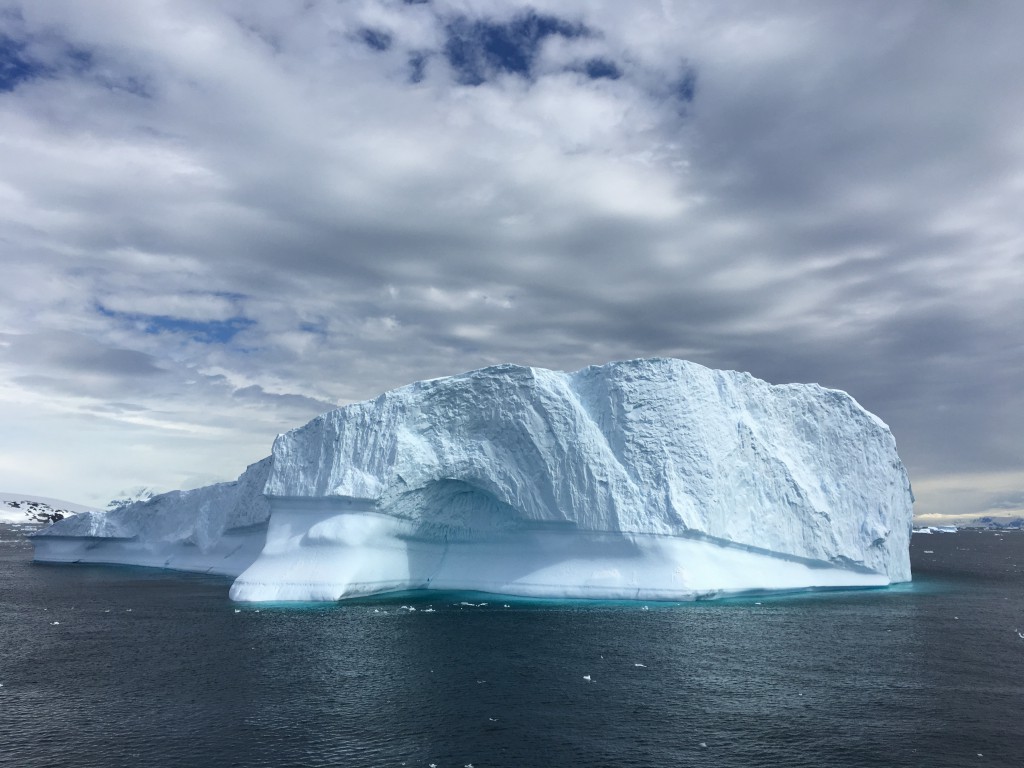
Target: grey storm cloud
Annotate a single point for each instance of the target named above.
(232, 216)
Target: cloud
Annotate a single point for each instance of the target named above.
(256, 394)
(230, 216)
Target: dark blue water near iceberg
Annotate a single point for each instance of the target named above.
(158, 669)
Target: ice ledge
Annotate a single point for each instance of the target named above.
(229, 556)
(315, 555)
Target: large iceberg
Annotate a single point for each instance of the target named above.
(649, 479)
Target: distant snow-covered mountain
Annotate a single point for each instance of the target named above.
(28, 508)
(129, 497)
(996, 523)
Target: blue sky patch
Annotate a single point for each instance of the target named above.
(597, 69)
(377, 39)
(479, 49)
(203, 331)
(15, 66)
(417, 67)
(686, 88)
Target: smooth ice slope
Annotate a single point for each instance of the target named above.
(217, 529)
(649, 479)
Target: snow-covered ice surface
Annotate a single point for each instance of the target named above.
(647, 479)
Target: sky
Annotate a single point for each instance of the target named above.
(219, 219)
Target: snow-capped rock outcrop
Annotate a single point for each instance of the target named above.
(649, 479)
(30, 510)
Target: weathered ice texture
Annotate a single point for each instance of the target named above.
(648, 479)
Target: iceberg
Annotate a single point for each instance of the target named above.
(653, 479)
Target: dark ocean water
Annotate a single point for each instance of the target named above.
(147, 668)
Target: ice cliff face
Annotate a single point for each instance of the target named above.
(648, 479)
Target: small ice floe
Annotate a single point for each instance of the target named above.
(587, 678)
(127, 610)
(428, 610)
(704, 744)
(468, 765)
(505, 605)
(756, 603)
(645, 608)
(929, 551)
(478, 682)
(54, 623)
(432, 765)
(1019, 634)
(238, 610)
(493, 719)
(107, 610)
(640, 665)
(376, 610)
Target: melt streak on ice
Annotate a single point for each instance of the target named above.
(649, 479)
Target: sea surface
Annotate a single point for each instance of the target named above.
(116, 666)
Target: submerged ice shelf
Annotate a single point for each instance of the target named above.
(648, 479)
